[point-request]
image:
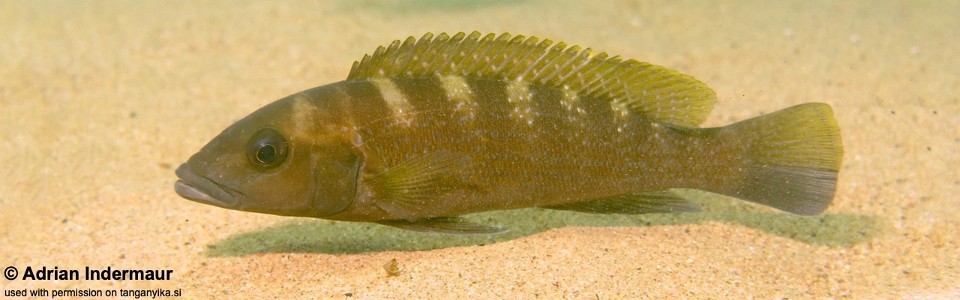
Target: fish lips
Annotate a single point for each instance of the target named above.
(198, 188)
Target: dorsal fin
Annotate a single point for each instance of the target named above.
(660, 94)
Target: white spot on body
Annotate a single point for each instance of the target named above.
(518, 94)
(303, 114)
(620, 110)
(395, 99)
(570, 101)
(620, 114)
(460, 94)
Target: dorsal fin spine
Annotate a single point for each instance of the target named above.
(445, 42)
(484, 46)
(556, 52)
(531, 51)
(420, 48)
(509, 58)
(589, 66)
(584, 57)
(404, 57)
(495, 49)
(546, 77)
(478, 46)
(439, 56)
(383, 57)
(472, 41)
(591, 87)
(501, 57)
(375, 59)
(427, 54)
(533, 65)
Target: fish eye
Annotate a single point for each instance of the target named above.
(267, 149)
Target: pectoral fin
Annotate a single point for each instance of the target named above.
(644, 203)
(448, 225)
(410, 186)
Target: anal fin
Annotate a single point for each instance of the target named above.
(448, 225)
(631, 204)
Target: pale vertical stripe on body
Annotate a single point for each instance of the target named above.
(460, 94)
(620, 113)
(570, 101)
(304, 115)
(394, 99)
(518, 95)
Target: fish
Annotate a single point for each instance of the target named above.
(427, 130)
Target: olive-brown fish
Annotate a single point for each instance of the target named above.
(429, 129)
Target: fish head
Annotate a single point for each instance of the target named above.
(269, 163)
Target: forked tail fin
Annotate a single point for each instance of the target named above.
(793, 158)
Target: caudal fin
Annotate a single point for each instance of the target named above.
(793, 158)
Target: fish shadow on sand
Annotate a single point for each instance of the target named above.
(321, 236)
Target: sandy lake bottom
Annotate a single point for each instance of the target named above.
(101, 101)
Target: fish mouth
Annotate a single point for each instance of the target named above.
(198, 188)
